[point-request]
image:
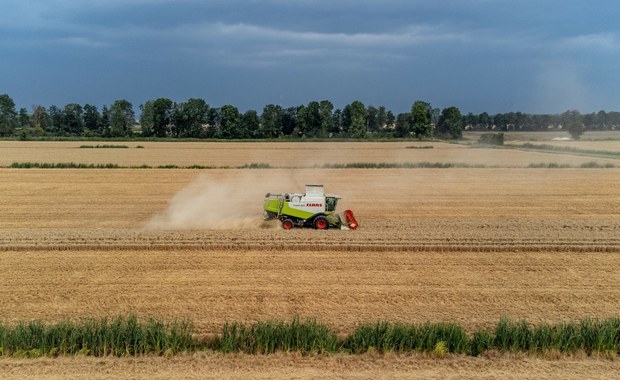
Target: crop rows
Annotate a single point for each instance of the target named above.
(237, 246)
(299, 240)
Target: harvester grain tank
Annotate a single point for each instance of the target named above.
(312, 209)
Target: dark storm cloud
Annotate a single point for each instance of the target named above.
(481, 55)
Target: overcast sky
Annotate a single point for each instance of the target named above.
(542, 56)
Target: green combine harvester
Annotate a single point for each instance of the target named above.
(312, 209)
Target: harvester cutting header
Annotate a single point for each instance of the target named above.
(312, 209)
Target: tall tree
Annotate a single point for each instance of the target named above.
(229, 122)
(289, 121)
(147, 118)
(358, 120)
(325, 110)
(250, 124)
(484, 121)
(271, 121)
(346, 120)
(450, 123)
(390, 119)
(381, 118)
(421, 119)
(91, 118)
(105, 121)
(310, 119)
(403, 125)
(573, 122)
(23, 118)
(336, 124)
(56, 123)
(39, 120)
(122, 118)
(372, 119)
(601, 119)
(72, 119)
(213, 122)
(8, 115)
(189, 118)
(161, 117)
(435, 114)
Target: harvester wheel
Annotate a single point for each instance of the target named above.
(321, 223)
(287, 224)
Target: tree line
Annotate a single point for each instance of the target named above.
(163, 118)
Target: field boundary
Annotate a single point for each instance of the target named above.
(349, 165)
(324, 247)
(573, 151)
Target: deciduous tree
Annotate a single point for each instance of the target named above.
(358, 119)
(250, 124)
(122, 118)
(189, 118)
(91, 118)
(39, 120)
(229, 122)
(573, 122)
(450, 123)
(271, 122)
(72, 119)
(421, 119)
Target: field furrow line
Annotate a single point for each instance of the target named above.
(324, 247)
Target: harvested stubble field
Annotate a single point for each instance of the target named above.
(464, 245)
(282, 154)
(294, 366)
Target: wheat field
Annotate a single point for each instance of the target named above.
(289, 154)
(463, 245)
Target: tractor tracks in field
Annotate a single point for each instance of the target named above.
(430, 245)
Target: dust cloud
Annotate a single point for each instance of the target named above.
(221, 203)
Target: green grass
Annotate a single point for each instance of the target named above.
(548, 165)
(596, 165)
(255, 165)
(262, 165)
(585, 165)
(401, 165)
(385, 336)
(271, 336)
(419, 147)
(61, 165)
(105, 146)
(588, 335)
(97, 337)
(127, 336)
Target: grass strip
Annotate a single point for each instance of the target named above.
(351, 165)
(119, 336)
(401, 165)
(105, 146)
(62, 165)
(127, 336)
(419, 147)
(585, 165)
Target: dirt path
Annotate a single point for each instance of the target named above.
(291, 366)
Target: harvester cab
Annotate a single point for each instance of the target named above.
(312, 209)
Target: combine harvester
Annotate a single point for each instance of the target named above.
(312, 209)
